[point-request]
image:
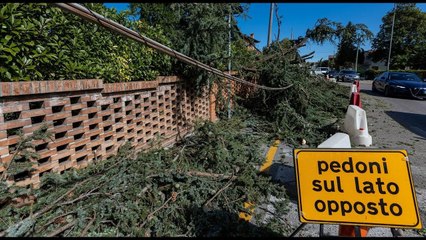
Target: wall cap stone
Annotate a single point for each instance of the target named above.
(10, 89)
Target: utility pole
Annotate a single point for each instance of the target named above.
(390, 43)
(271, 11)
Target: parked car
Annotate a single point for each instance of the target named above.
(400, 83)
(347, 76)
(321, 70)
(332, 74)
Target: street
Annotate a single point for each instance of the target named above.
(399, 123)
(393, 123)
(409, 113)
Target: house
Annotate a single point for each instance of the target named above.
(251, 42)
(369, 64)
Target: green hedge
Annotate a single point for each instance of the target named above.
(371, 74)
(41, 42)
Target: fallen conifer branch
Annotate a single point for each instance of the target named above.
(88, 226)
(82, 196)
(149, 217)
(54, 219)
(63, 228)
(227, 185)
(212, 175)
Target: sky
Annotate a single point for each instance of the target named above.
(298, 17)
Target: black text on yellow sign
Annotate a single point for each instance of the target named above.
(356, 187)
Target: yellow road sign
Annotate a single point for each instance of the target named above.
(363, 187)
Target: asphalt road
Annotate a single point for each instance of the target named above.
(410, 113)
(393, 123)
(399, 123)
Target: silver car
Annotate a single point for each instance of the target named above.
(321, 70)
(347, 76)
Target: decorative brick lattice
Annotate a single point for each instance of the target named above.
(90, 120)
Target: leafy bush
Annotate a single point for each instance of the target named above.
(41, 42)
(371, 74)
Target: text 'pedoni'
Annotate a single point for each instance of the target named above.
(349, 167)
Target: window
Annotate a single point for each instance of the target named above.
(404, 77)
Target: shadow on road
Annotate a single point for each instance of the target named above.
(217, 223)
(371, 93)
(284, 174)
(411, 121)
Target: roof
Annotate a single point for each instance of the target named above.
(245, 36)
(250, 39)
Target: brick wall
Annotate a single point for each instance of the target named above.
(221, 91)
(90, 120)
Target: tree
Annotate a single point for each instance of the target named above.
(346, 37)
(325, 63)
(197, 30)
(351, 36)
(409, 38)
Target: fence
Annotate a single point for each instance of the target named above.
(90, 120)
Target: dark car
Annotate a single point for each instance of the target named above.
(332, 74)
(400, 83)
(347, 76)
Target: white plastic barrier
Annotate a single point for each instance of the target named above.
(338, 140)
(353, 89)
(356, 126)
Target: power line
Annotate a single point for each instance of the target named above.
(94, 17)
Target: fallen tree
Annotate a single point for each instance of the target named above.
(196, 188)
(311, 108)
